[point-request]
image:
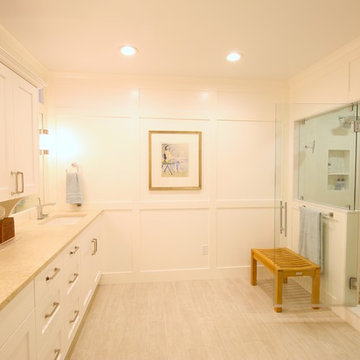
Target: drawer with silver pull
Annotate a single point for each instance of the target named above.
(72, 252)
(49, 313)
(50, 278)
(54, 348)
(71, 318)
(72, 279)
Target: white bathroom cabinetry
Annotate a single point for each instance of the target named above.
(60, 293)
(41, 321)
(19, 149)
(17, 331)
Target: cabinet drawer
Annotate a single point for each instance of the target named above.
(71, 279)
(72, 252)
(49, 279)
(72, 317)
(15, 312)
(48, 316)
(54, 348)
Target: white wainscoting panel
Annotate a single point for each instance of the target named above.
(245, 160)
(259, 106)
(173, 239)
(239, 230)
(95, 97)
(116, 244)
(182, 104)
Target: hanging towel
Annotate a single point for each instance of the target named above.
(74, 193)
(311, 239)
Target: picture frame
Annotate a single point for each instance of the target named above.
(175, 160)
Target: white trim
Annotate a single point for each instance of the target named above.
(110, 278)
(12, 63)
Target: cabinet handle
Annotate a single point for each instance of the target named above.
(56, 305)
(76, 248)
(56, 271)
(16, 183)
(76, 275)
(57, 353)
(76, 312)
(95, 243)
(22, 181)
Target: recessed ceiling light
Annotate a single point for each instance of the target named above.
(128, 50)
(233, 56)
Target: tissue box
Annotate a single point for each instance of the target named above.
(7, 229)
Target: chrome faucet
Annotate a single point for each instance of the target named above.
(40, 207)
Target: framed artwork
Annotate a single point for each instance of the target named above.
(174, 160)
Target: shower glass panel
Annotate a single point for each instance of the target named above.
(325, 178)
(327, 158)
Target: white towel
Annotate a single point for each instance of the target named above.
(74, 193)
(311, 239)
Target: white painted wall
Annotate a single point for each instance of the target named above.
(102, 122)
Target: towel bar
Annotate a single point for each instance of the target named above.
(329, 215)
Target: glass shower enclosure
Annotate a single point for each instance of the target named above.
(316, 156)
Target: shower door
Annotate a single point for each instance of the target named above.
(316, 167)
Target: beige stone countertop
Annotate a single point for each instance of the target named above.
(35, 245)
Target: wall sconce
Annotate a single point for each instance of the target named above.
(44, 141)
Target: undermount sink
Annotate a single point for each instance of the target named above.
(63, 219)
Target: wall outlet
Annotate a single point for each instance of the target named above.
(205, 249)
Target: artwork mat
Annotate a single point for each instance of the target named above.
(194, 141)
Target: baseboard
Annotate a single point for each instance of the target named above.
(349, 314)
(109, 278)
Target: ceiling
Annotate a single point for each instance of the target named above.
(277, 38)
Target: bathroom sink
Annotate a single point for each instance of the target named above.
(63, 219)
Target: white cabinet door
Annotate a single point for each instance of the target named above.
(21, 345)
(90, 262)
(5, 132)
(19, 134)
(26, 138)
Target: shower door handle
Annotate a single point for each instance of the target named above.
(283, 229)
(285, 212)
(281, 210)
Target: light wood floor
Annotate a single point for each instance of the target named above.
(208, 319)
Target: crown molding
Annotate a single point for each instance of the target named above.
(19, 68)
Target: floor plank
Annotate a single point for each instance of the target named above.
(209, 320)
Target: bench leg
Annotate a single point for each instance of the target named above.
(285, 279)
(278, 290)
(315, 294)
(253, 269)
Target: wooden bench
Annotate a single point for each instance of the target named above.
(283, 262)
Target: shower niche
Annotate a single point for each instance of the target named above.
(327, 153)
(338, 170)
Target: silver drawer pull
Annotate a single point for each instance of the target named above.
(56, 271)
(76, 312)
(76, 248)
(76, 275)
(56, 305)
(57, 353)
(95, 243)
